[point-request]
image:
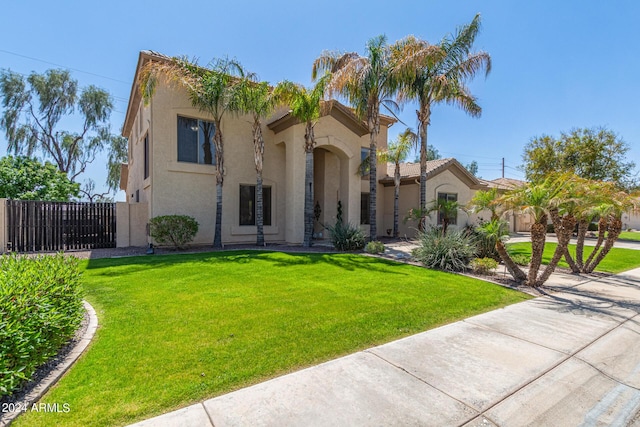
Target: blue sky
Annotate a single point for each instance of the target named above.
(557, 65)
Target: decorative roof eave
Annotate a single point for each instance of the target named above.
(135, 97)
(452, 165)
(338, 111)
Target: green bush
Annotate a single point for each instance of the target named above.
(346, 237)
(485, 244)
(451, 251)
(374, 247)
(40, 310)
(484, 265)
(174, 230)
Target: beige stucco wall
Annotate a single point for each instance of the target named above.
(131, 220)
(190, 189)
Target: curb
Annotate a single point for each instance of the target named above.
(45, 384)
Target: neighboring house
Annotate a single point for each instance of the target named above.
(168, 172)
(446, 178)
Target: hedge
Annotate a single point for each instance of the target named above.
(40, 310)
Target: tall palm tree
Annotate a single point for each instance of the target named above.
(432, 74)
(366, 82)
(306, 106)
(210, 90)
(397, 153)
(256, 99)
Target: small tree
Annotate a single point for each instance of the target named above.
(396, 153)
(22, 178)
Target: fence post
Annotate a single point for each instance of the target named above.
(3, 225)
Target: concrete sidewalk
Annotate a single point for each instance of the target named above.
(571, 357)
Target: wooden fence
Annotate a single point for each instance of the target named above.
(34, 226)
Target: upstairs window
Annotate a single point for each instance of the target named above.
(146, 156)
(248, 205)
(364, 162)
(195, 141)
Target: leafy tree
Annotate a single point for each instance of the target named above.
(592, 153)
(432, 74)
(306, 106)
(118, 154)
(472, 168)
(211, 90)
(397, 153)
(23, 178)
(34, 107)
(367, 83)
(256, 98)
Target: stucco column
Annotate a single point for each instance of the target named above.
(122, 225)
(294, 189)
(350, 178)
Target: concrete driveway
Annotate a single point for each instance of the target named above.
(567, 358)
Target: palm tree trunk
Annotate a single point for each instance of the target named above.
(614, 230)
(308, 185)
(423, 120)
(538, 237)
(396, 200)
(374, 126)
(258, 145)
(219, 143)
(564, 230)
(583, 227)
(515, 271)
(602, 228)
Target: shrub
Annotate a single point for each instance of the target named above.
(484, 265)
(451, 251)
(175, 230)
(40, 310)
(346, 237)
(374, 247)
(485, 244)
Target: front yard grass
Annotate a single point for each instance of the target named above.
(178, 329)
(616, 261)
(630, 235)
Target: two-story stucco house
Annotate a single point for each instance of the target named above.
(171, 170)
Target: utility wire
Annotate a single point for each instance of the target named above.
(70, 68)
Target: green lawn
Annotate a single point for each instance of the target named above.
(630, 235)
(181, 328)
(616, 261)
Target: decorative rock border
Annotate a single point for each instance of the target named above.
(56, 373)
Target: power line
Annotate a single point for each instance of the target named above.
(70, 68)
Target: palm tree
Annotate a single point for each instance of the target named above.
(534, 199)
(396, 153)
(432, 74)
(446, 209)
(366, 82)
(307, 106)
(485, 200)
(256, 98)
(210, 90)
(619, 203)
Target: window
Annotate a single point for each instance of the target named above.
(364, 208)
(146, 156)
(364, 161)
(446, 209)
(195, 141)
(248, 205)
